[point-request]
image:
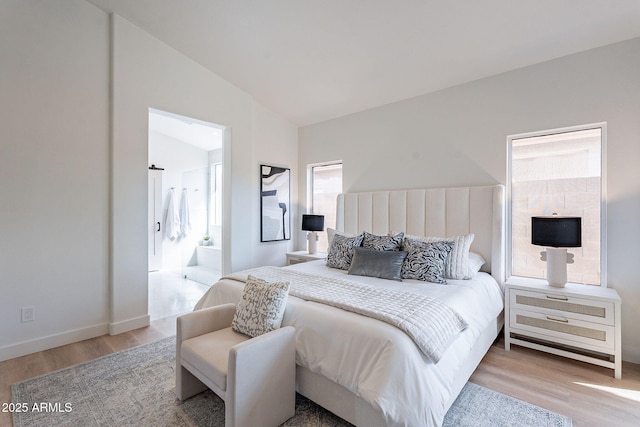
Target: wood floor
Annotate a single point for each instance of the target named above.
(33, 365)
(586, 393)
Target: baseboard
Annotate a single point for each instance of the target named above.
(631, 354)
(45, 343)
(129, 325)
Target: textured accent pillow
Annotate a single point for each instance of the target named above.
(425, 260)
(341, 251)
(382, 243)
(375, 263)
(457, 266)
(261, 307)
(332, 232)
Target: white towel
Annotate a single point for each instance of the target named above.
(172, 223)
(185, 219)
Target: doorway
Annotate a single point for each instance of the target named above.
(185, 234)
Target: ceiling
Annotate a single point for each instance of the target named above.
(200, 134)
(311, 61)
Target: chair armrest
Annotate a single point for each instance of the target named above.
(261, 379)
(274, 342)
(203, 321)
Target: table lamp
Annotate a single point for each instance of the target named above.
(557, 233)
(312, 224)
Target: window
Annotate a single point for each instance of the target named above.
(561, 172)
(215, 194)
(325, 184)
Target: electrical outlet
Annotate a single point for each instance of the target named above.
(28, 314)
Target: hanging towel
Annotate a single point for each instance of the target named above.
(172, 223)
(185, 220)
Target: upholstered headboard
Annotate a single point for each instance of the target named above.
(438, 212)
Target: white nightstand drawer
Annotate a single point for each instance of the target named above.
(569, 321)
(588, 310)
(562, 329)
(296, 260)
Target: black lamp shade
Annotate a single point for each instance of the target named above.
(556, 231)
(313, 222)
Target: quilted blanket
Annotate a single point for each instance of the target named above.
(431, 324)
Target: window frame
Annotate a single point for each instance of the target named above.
(215, 204)
(310, 181)
(603, 192)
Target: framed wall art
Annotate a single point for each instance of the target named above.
(275, 203)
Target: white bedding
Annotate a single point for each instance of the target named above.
(430, 323)
(375, 360)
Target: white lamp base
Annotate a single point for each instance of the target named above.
(312, 237)
(557, 260)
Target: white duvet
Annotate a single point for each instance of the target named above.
(375, 360)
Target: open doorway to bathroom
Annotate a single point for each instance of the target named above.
(185, 210)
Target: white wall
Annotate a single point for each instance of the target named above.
(54, 109)
(271, 147)
(148, 73)
(74, 221)
(458, 137)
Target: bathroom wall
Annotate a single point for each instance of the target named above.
(177, 158)
(195, 186)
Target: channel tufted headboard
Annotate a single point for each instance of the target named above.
(438, 212)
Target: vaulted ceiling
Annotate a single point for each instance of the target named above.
(312, 61)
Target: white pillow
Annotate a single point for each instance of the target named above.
(457, 266)
(261, 307)
(476, 261)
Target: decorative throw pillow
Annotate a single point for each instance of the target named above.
(382, 243)
(425, 261)
(341, 251)
(332, 232)
(261, 307)
(375, 263)
(457, 266)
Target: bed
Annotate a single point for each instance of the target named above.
(369, 372)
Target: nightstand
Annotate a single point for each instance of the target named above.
(304, 256)
(578, 321)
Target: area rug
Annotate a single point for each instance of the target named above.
(135, 387)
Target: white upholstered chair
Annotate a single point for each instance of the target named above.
(254, 376)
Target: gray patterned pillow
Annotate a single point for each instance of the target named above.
(425, 261)
(382, 243)
(341, 251)
(457, 266)
(261, 307)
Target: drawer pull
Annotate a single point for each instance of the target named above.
(555, 319)
(558, 298)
